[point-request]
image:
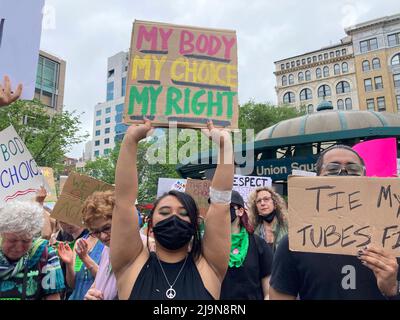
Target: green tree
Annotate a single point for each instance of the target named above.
(48, 138)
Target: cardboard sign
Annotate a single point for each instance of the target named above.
(167, 184)
(375, 153)
(199, 190)
(342, 215)
(76, 189)
(50, 185)
(182, 74)
(20, 31)
(246, 184)
(20, 176)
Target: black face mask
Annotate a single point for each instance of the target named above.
(233, 214)
(173, 233)
(269, 217)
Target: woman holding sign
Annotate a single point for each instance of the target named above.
(184, 265)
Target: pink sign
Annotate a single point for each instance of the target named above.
(380, 157)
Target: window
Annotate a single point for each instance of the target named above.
(314, 58)
(108, 110)
(326, 56)
(98, 113)
(308, 75)
(349, 104)
(123, 87)
(97, 143)
(381, 104)
(289, 97)
(97, 153)
(284, 81)
(396, 60)
(110, 91)
(324, 91)
(394, 39)
(301, 76)
(398, 103)
(97, 133)
(340, 104)
(345, 67)
(396, 80)
(332, 54)
(320, 57)
(366, 66)
(108, 120)
(378, 83)
(98, 122)
(368, 85)
(344, 52)
(370, 104)
(376, 63)
(107, 131)
(326, 71)
(107, 151)
(282, 67)
(297, 62)
(368, 45)
(318, 73)
(291, 79)
(118, 118)
(337, 53)
(309, 60)
(110, 73)
(305, 94)
(292, 64)
(106, 140)
(310, 108)
(119, 108)
(287, 65)
(336, 69)
(342, 87)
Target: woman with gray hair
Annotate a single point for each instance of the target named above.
(29, 267)
(268, 214)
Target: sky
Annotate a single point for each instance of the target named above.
(85, 33)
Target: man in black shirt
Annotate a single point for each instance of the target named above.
(371, 275)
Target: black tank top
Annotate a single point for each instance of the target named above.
(152, 285)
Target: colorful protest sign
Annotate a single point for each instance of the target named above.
(20, 176)
(199, 190)
(246, 184)
(342, 215)
(182, 74)
(380, 157)
(50, 185)
(167, 184)
(76, 190)
(20, 31)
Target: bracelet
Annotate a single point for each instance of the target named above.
(217, 196)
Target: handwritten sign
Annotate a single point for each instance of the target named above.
(76, 190)
(246, 184)
(50, 185)
(182, 74)
(341, 215)
(199, 190)
(20, 31)
(20, 176)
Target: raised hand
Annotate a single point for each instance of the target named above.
(65, 253)
(41, 194)
(7, 96)
(139, 132)
(82, 249)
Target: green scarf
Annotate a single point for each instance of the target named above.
(239, 247)
(8, 270)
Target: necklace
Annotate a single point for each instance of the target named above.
(171, 293)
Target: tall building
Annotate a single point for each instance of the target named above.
(362, 72)
(108, 127)
(50, 82)
(377, 58)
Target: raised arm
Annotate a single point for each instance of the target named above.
(7, 96)
(126, 243)
(217, 235)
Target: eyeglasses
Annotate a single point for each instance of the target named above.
(265, 199)
(335, 169)
(96, 233)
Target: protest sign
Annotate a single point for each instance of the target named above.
(20, 31)
(76, 190)
(63, 179)
(167, 184)
(50, 185)
(380, 157)
(342, 215)
(199, 190)
(20, 176)
(182, 74)
(246, 184)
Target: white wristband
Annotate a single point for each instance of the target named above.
(217, 196)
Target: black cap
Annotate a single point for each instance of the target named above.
(237, 199)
